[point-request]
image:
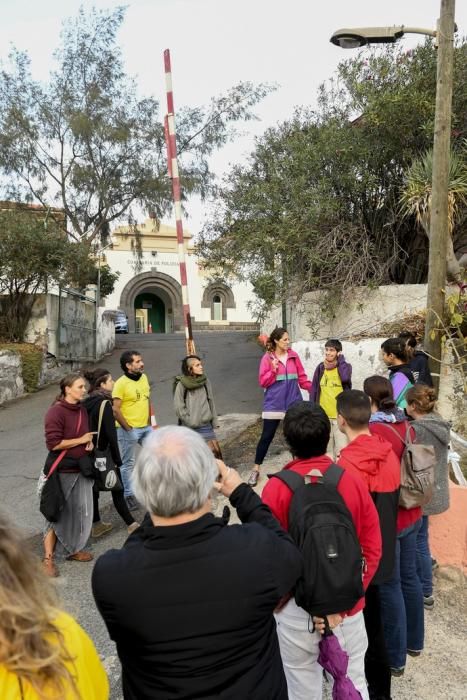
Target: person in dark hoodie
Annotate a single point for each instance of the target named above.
(418, 360)
(394, 356)
(430, 429)
(371, 459)
(100, 390)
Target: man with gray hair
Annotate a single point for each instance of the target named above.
(188, 600)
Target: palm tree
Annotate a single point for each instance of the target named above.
(416, 199)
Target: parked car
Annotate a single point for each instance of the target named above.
(121, 322)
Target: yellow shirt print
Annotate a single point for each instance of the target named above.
(331, 387)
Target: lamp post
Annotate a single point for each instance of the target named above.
(354, 38)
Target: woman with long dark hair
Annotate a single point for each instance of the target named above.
(100, 391)
(44, 653)
(67, 430)
(281, 374)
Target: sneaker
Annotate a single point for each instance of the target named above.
(253, 478)
(428, 602)
(397, 672)
(100, 528)
(132, 503)
(413, 652)
(134, 526)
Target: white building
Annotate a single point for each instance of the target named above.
(149, 289)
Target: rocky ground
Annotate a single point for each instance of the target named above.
(441, 671)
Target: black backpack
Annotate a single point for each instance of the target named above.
(321, 526)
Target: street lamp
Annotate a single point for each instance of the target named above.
(361, 36)
(444, 35)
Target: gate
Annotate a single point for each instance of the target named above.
(76, 326)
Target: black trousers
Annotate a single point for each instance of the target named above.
(118, 497)
(269, 430)
(377, 671)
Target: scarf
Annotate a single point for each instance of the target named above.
(102, 392)
(192, 382)
(397, 415)
(330, 365)
(132, 376)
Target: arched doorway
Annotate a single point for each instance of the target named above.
(168, 298)
(149, 313)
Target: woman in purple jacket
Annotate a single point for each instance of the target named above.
(281, 375)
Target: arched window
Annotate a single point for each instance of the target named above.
(218, 297)
(216, 308)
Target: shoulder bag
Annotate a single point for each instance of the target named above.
(105, 472)
(52, 500)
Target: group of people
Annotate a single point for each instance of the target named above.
(117, 416)
(200, 609)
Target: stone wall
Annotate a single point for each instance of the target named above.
(363, 311)
(76, 343)
(11, 380)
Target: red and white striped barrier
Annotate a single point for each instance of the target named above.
(171, 141)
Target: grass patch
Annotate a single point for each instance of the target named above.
(31, 362)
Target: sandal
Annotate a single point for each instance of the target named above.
(81, 556)
(49, 567)
(253, 478)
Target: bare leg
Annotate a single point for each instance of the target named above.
(50, 540)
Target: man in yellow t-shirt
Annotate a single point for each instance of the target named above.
(132, 409)
(331, 377)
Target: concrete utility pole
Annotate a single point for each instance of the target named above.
(439, 190)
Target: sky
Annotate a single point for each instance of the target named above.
(215, 44)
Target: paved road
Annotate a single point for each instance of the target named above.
(231, 360)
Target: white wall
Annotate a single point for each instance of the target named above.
(167, 263)
(363, 355)
(362, 311)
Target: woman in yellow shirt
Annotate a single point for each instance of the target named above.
(44, 653)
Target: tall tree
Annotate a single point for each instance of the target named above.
(86, 142)
(416, 200)
(317, 205)
(34, 254)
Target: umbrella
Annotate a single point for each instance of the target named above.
(335, 660)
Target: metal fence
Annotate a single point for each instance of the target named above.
(76, 326)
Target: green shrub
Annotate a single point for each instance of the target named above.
(31, 362)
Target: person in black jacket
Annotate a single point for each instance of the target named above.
(418, 360)
(188, 600)
(100, 389)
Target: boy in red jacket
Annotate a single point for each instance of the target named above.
(307, 429)
(372, 459)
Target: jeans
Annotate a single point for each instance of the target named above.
(424, 570)
(402, 601)
(300, 649)
(377, 671)
(270, 426)
(127, 441)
